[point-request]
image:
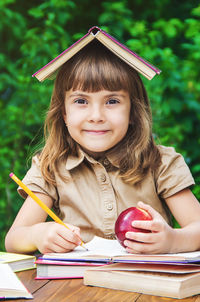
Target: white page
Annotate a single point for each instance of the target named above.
(97, 246)
(110, 248)
(105, 247)
(187, 255)
(8, 279)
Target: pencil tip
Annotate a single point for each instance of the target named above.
(85, 248)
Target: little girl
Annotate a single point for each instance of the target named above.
(100, 158)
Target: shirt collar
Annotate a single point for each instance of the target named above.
(74, 161)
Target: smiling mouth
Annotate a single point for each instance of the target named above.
(96, 132)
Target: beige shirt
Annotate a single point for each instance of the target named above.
(94, 194)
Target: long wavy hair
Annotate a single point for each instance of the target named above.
(92, 69)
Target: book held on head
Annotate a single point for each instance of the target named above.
(117, 48)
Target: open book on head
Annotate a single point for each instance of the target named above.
(120, 50)
(110, 251)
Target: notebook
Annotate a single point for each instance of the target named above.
(110, 251)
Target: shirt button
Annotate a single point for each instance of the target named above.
(109, 207)
(103, 177)
(106, 162)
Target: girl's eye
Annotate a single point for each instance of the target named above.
(112, 101)
(80, 101)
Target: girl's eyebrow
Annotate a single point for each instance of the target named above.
(78, 94)
(115, 94)
(111, 94)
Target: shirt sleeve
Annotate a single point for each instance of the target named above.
(36, 183)
(173, 175)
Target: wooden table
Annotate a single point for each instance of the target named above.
(73, 290)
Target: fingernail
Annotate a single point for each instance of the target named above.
(125, 242)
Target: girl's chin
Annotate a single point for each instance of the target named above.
(94, 153)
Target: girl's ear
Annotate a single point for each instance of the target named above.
(65, 119)
(64, 116)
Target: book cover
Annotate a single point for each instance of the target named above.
(128, 56)
(18, 262)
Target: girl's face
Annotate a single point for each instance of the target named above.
(97, 121)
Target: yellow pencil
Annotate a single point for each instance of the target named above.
(40, 203)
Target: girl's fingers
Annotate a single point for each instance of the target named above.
(58, 244)
(60, 239)
(149, 209)
(141, 237)
(69, 236)
(137, 248)
(155, 225)
(75, 230)
(149, 247)
(55, 248)
(65, 244)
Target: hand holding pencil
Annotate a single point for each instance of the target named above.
(41, 204)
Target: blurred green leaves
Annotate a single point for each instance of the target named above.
(34, 32)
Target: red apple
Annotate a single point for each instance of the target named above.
(124, 221)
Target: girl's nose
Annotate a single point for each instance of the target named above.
(96, 115)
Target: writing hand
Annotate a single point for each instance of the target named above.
(51, 237)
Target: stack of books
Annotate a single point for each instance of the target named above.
(75, 263)
(167, 280)
(107, 264)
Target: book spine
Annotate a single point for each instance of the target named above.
(94, 30)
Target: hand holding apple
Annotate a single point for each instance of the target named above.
(149, 234)
(124, 221)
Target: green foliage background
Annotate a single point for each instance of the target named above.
(167, 33)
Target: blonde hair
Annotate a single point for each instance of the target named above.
(93, 69)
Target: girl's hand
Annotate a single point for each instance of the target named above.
(51, 237)
(160, 240)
